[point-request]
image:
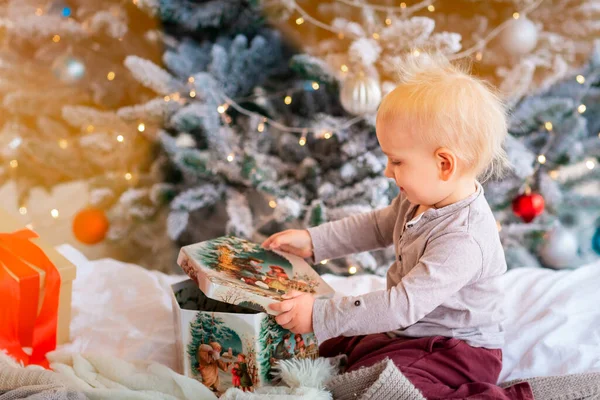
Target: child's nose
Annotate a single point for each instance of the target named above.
(388, 172)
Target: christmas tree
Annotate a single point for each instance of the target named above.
(62, 79)
(269, 138)
(266, 109)
(271, 334)
(548, 207)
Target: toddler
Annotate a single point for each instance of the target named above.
(440, 317)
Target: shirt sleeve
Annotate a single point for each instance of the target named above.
(450, 262)
(355, 234)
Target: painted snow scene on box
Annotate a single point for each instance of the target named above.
(231, 346)
(276, 343)
(221, 351)
(237, 271)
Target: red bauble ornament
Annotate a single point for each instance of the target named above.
(528, 206)
(90, 225)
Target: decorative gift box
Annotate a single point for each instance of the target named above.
(36, 286)
(227, 335)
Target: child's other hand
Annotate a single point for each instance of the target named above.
(296, 312)
(294, 241)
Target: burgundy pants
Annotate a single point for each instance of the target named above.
(440, 367)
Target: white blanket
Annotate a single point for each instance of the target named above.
(552, 327)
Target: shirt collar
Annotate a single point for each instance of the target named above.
(434, 213)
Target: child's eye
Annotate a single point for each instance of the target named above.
(396, 162)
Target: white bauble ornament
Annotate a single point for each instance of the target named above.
(68, 69)
(360, 94)
(560, 248)
(185, 140)
(519, 36)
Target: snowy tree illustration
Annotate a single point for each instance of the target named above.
(204, 329)
(270, 335)
(233, 296)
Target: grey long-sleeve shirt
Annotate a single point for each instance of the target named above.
(444, 281)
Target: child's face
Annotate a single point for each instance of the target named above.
(411, 163)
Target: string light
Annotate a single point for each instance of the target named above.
(54, 213)
(260, 127)
(272, 204)
(14, 163)
(63, 144)
(388, 21)
(344, 68)
(175, 96)
(376, 36)
(110, 76)
(581, 108)
(548, 126)
(120, 138)
(302, 141)
(479, 56)
(191, 79)
(39, 12)
(192, 93)
(327, 135)
(416, 53)
(554, 174)
(324, 262)
(141, 127)
(167, 98)
(279, 126)
(541, 159)
(299, 21)
(315, 85)
(222, 108)
(409, 11)
(288, 99)
(23, 210)
(352, 270)
(128, 176)
(230, 157)
(590, 164)
(56, 38)
(580, 79)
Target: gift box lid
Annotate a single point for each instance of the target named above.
(237, 271)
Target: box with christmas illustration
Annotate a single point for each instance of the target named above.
(226, 333)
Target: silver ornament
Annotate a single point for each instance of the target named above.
(68, 69)
(519, 36)
(360, 94)
(560, 248)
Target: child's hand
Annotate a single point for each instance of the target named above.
(296, 312)
(294, 241)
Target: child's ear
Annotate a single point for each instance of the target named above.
(446, 163)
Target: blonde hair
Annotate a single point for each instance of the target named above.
(443, 105)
